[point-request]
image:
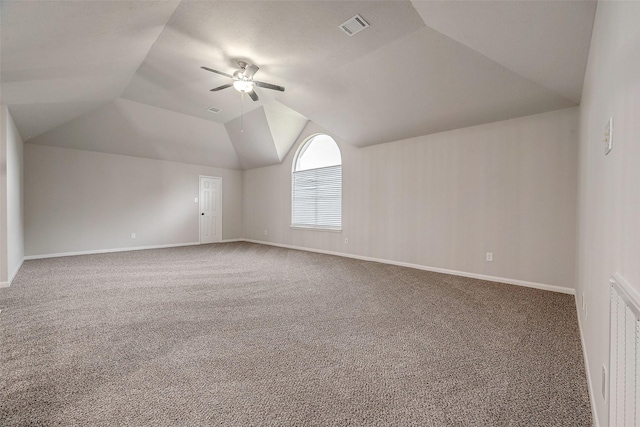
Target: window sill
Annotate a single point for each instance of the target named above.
(301, 227)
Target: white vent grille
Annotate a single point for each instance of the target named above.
(624, 356)
(354, 25)
(213, 110)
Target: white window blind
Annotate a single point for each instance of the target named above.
(317, 198)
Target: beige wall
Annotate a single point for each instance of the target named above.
(15, 199)
(86, 201)
(11, 199)
(4, 271)
(609, 186)
(445, 200)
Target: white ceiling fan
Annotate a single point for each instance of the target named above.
(243, 80)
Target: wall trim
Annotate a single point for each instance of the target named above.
(594, 410)
(543, 286)
(15, 273)
(13, 276)
(104, 251)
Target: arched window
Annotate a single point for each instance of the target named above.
(316, 190)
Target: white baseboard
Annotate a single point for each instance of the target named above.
(13, 276)
(104, 251)
(594, 411)
(15, 272)
(535, 285)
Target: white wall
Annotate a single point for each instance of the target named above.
(4, 271)
(12, 200)
(80, 201)
(609, 186)
(444, 200)
(15, 199)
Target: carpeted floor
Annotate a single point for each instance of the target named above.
(241, 334)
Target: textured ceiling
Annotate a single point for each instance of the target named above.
(61, 59)
(451, 87)
(291, 42)
(545, 41)
(124, 76)
(134, 129)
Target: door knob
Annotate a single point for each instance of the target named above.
(202, 213)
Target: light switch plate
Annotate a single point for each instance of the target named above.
(608, 136)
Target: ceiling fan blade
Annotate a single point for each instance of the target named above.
(215, 89)
(268, 86)
(250, 71)
(253, 95)
(217, 72)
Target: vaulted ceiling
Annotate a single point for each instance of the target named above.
(124, 77)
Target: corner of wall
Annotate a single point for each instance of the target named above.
(608, 230)
(11, 200)
(4, 274)
(585, 355)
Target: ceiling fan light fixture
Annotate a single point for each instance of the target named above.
(243, 80)
(243, 86)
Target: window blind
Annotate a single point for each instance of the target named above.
(317, 198)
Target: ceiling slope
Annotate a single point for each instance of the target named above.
(291, 41)
(285, 125)
(90, 74)
(61, 59)
(265, 135)
(37, 118)
(252, 140)
(448, 86)
(133, 129)
(545, 41)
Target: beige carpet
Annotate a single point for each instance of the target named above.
(241, 334)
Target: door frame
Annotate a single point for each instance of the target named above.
(219, 178)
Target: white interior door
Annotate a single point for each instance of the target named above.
(210, 209)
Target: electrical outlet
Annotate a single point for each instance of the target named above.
(195, 200)
(346, 240)
(133, 235)
(489, 256)
(604, 381)
(265, 232)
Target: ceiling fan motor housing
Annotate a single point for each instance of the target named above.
(243, 80)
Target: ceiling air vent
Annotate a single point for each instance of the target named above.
(354, 25)
(213, 110)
